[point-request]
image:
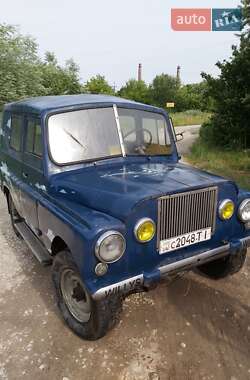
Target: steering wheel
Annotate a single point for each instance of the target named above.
(144, 130)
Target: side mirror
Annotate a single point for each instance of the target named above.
(179, 137)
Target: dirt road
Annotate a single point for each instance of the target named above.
(190, 329)
(190, 134)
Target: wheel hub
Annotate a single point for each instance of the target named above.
(75, 296)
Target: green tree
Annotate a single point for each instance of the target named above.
(229, 125)
(19, 66)
(136, 90)
(59, 80)
(23, 74)
(194, 97)
(50, 58)
(246, 23)
(164, 89)
(98, 85)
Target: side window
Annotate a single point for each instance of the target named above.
(16, 132)
(34, 138)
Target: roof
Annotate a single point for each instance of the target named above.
(43, 104)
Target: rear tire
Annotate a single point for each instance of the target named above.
(226, 266)
(14, 216)
(88, 318)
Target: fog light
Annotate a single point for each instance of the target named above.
(101, 269)
(226, 209)
(144, 230)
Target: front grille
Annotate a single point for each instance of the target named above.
(179, 214)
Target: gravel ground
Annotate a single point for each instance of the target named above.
(191, 329)
(190, 134)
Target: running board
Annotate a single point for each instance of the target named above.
(38, 250)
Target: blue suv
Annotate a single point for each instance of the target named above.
(94, 186)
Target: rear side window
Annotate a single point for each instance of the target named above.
(16, 132)
(34, 138)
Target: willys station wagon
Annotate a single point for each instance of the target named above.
(95, 187)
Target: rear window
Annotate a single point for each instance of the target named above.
(16, 132)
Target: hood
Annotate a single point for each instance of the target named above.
(117, 189)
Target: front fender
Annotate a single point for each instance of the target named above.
(79, 227)
(243, 194)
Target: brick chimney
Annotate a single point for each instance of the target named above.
(178, 74)
(139, 72)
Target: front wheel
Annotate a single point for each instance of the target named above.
(225, 266)
(88, 318)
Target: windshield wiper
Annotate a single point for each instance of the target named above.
(74, 138)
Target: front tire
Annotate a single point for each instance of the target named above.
(226, 266)
(88, 318)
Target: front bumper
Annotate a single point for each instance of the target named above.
(140, 281)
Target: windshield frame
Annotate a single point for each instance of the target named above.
(116, 115)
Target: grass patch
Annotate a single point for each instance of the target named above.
(230, 164)
(191, 117)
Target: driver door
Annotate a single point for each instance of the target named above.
(32, 172)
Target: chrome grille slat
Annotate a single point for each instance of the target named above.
(186, 212)
(205, 211)
(170, 226)
(192, 224)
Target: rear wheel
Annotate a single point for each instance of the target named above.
(14, 216)
(88, 318)
(225, 266)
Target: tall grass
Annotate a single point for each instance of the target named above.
(230, 164)
(191, 117)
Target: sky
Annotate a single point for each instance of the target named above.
(112, 37)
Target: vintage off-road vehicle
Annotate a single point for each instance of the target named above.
(94, 186)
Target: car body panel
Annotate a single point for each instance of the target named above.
(80, 202)
(116, 189)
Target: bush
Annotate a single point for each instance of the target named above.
(232, 164)
(229, 126)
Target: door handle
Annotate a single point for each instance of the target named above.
(25, 175)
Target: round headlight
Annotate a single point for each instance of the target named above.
(110, 247)
(226, 209)
(144, 230)
(244, 211)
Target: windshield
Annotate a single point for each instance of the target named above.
(91, 134)
(144, 133)
(83, 135)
